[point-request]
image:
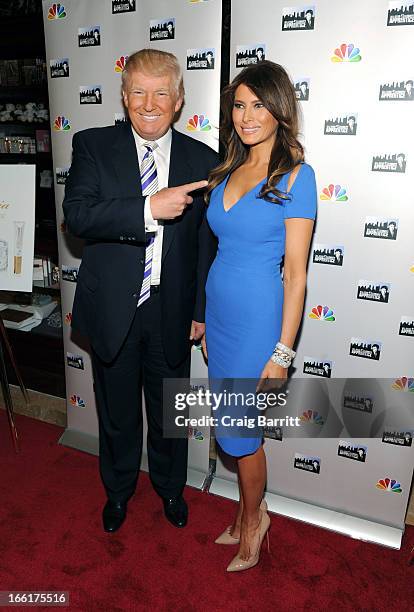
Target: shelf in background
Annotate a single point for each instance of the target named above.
(29, 93)
(38, 125)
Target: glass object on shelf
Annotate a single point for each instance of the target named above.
(55, 275)
(4, 258)
(17, 144)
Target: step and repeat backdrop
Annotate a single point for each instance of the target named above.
(87, 45)
(351, 65)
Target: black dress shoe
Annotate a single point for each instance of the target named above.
(176, 511)
(113, 515)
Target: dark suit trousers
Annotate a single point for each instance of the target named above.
(118, 389)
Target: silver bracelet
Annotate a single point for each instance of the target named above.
(283, 360)
(285, 349)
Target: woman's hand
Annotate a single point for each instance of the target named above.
(272, 371)
(204, 347)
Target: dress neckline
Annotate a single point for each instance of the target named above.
(226, 180)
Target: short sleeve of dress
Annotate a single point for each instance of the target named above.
(302, 203)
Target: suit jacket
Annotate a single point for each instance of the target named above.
(104, 205)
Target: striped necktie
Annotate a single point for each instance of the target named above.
(149, 182)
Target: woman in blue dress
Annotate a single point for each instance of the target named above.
(262, 205)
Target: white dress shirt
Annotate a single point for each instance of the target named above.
(162, 162)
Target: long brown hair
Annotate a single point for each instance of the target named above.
(271, 84)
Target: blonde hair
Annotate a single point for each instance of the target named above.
(156, 63)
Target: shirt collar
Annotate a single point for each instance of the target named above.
(164, 143)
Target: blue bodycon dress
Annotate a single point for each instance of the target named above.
(244, 286)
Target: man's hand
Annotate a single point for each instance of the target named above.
(170, 202)
(197, 330)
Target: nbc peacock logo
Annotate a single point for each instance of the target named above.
(61, 124)
(312, 416)
(404, 383)
(198, 123)
(195, 434)
(334, 193)
(322, 313)
(346, 53)
(77, 401)
(389, 485)
(56, 11)
(120, 63)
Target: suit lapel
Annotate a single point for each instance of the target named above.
(126, 162)
(179, 174)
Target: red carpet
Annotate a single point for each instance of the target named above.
(51, 539)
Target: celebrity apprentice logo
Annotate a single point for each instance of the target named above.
(368, 349)
(389, 485)
(358, 402)
(373, 291)
(322, 313)
(315, 367)
(385, 229)
(200, 59)
(334, 193)
(298, 18)
(404, 383)
(89, 37)
(400, 13)
(274, 433)
(247, 55)
(70, 273)
(395, 162)
(357, 452)
(343, 125)
(59, 68)
(302, 86)
(399, 438)
(406, 327)
(77, 401)
(397, 90)
(162, 29)
(123, 6)
(120, 118)
(307, 463)
(75, 361)
(330, 255)
(90, 94)
(56, 11)
(61, 175)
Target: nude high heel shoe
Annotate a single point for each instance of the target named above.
(227, 538)
(238, 564)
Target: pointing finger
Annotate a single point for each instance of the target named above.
(194, 186)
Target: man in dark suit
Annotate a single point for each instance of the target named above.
(140, 295)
